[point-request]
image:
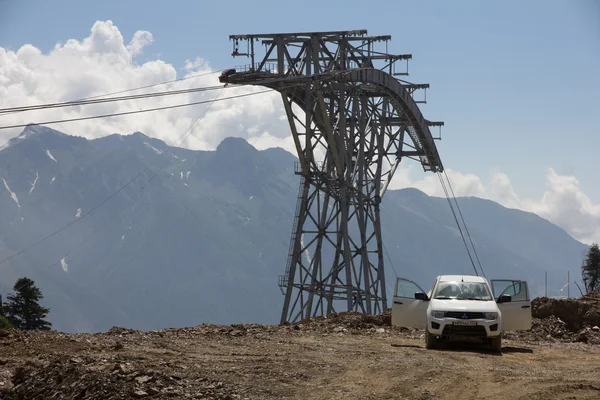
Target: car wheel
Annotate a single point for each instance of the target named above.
(496, 343)
(430, 340)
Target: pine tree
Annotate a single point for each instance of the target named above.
(23, 309)
(590, 270)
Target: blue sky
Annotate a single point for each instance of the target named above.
(516, 82)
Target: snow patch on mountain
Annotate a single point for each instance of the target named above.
(50, 155)
(34, 182)
(157, 151)
(64, 265)
(13, 195)
(243, 218)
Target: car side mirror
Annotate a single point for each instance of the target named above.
(421, 296)
(505, 298)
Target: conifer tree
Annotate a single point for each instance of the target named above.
(23, 309)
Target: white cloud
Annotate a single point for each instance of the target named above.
(103, 63)
(140, 40)
(563, 202)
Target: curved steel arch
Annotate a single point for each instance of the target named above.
(421, 136)
(352, 124)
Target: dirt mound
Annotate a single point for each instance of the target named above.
(576, 313)
(563, 320)
(350, 320)
(354, 323)
(553, 329)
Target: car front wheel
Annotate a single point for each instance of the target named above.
(496, 343)
(430, 340)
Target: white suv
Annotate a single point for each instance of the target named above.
(463, 307)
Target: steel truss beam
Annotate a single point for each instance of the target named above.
(352, 123)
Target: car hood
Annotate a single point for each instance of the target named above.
(463, 305)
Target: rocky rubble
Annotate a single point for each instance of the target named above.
(77, 378)
(47, 365)
(350, 321)
(354, 323)
(52, 365)
(564, 320)
(576, 313)
(553, 329)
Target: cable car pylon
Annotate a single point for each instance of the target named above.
(352, 123)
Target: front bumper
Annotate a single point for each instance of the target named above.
(452, 328)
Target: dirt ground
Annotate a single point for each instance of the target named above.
(344, 356)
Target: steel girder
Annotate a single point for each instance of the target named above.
(352, 124)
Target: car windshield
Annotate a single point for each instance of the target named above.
(462, 291)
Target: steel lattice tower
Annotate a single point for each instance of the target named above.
(352, 123)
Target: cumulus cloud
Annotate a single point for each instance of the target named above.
(105, 62)
(563, 202)
(140, 40)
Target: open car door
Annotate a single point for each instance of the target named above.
(408, 311)
(516, 313)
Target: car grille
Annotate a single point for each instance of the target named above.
(463, 314)
(475, 330)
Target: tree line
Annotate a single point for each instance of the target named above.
(22, 309)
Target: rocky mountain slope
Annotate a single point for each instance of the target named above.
(201, 236)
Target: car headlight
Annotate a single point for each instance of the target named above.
(438, 314)
(491, 315)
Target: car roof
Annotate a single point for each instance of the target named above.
(468, 278)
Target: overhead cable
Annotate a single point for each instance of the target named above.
(131, 89)
(457, 223)
(58, 121)
(108, 99)
(465, 224)
(105, 99)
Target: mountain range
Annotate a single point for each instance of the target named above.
(201, 236)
